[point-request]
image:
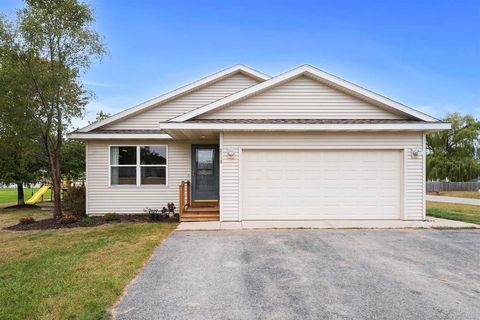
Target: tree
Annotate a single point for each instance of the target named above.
(21, 156)
(73, 159)
(453, 154)
(20, 162)
(100, 116)
(52, 44)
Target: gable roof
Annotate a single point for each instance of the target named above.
(318, 75)
(239, 68)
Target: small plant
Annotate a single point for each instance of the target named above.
(171, 209)
(153, 213)
(68, 218)
(27, 220)
(164, 212)
(112, 216)
(88, 220)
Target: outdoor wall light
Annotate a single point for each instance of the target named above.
(231, 154)
(415, 152)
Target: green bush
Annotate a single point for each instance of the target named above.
(27, 220)
(74, 200)
(88, 220)
(68, 218)
(154, 214)
(112, 217)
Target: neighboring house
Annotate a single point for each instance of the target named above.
(299, 146)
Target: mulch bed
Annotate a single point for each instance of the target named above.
(22, 206)
(91, 221)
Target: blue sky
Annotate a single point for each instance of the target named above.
(425, 54)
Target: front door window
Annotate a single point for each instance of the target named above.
(205, 172)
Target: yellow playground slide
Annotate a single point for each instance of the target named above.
(37, 195)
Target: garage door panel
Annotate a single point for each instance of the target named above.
(321, 184)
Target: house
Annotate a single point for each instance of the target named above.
(241, 145)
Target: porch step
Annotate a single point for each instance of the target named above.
(201, 209)
(199, 217)
(201, 214)
(206, 203)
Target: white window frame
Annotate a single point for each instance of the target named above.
(138, 166)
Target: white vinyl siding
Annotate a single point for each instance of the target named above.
(301, 98)
(149, 120)
(234, 142)
(103, 198)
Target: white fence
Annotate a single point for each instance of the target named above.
(452, 186)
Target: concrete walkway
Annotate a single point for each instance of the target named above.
(473, 202)
(326, 224)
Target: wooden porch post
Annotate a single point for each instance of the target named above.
(189, 191)
(181, 198)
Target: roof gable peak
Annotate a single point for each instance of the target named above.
(238, 68)
(316, 74)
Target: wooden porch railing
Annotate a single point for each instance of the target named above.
(184, 196)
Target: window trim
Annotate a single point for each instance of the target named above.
(138, 166)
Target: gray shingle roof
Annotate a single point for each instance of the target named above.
(126, 131)
(305, 121)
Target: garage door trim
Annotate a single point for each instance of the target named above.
(403, 169)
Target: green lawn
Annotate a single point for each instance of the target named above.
(76, 273)
(459, 194)
(454, 211)
(9, 195)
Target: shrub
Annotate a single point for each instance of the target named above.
(27, 220)
(88, 220)
(112, 217)
(171, 209)
(68, 218)
(74, 200)
(153, 213)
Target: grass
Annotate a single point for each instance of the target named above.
(454, 211)
(9, 195)
(458, 194)
(74, 273)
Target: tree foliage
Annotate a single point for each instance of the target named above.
(100, 116)
(453, 154)
(73, 160)
(21, 158)
(51, 44)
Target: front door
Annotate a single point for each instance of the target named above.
(204, 172)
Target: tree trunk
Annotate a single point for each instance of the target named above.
(20, 197)
(54, 160)
(57, 190)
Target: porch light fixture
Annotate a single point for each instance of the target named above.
(415, 152)
(202, 137)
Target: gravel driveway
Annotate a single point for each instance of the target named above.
(310, 274)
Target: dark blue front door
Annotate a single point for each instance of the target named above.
(205, 172)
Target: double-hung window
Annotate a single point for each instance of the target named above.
(138, 165)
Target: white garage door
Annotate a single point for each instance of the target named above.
(321, 184)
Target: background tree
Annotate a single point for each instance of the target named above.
(21, 156)
(52, 43)
(100, 116)
(453, 154)
(73, 159)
